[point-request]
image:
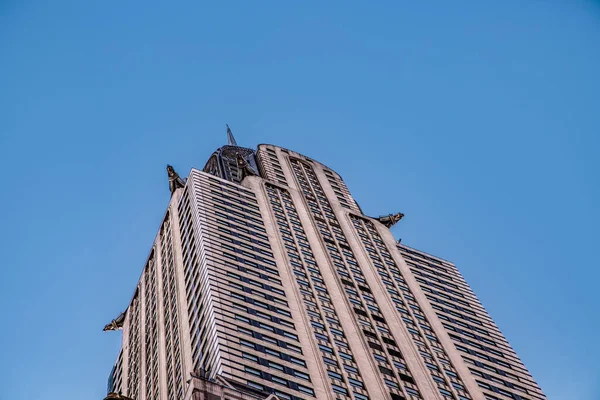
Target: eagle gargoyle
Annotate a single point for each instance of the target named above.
(116, 323)
(390, 220)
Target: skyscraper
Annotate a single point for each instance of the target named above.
(266, 280)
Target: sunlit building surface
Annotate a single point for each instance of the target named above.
(266, 280)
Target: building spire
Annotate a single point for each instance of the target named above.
(230, 139)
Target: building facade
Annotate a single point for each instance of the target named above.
(267, 279)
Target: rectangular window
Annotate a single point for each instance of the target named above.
(335, 375)
(339, 389)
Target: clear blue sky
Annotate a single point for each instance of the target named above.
(480, 120)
